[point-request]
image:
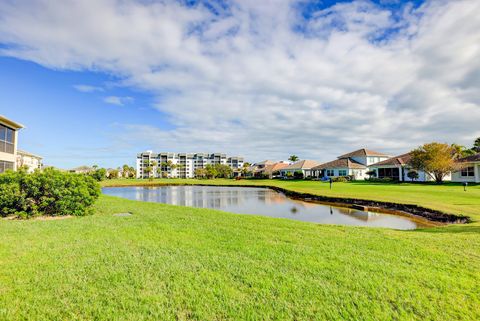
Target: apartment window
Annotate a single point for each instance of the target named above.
(330, 172)
(5, 166)
(7, 139)
(468, 172)
(342, 172)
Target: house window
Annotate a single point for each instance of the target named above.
(468, 172)
(330, 172)
(5, 166)
(7, 140)
(342, 172)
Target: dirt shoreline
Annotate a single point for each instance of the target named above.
(360, 204)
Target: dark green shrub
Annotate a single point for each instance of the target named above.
(49, 192)
(298, 175)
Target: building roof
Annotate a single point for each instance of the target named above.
(10, 123)
(265, 162)
(302, 164)
(24, 153)
(399, 160)
(275, 167)
(363, 152)
(341, 163)
(468, 159)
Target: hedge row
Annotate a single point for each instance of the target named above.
(49, 192)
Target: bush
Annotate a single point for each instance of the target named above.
(50, 192)
(380, 180)
(340, 179)
(298, 175)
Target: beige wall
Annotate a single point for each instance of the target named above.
(11, 157)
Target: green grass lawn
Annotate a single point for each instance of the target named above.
(175, 263)
(179, 263)
(449, 198)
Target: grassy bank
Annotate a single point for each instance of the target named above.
(176, 263)
(449, 198)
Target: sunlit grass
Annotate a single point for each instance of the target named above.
(178, 263)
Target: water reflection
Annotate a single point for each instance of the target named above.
(260, 201)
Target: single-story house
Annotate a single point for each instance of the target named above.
(258, 169)
(303, 166)
(397, 168)
(273, 170)
(352, 164)
(470, 170)
(340, 167)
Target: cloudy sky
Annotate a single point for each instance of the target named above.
(96, 81)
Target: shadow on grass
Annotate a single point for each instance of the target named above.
(475, 229)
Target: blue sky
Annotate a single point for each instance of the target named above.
(95, 82)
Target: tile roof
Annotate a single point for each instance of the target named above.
(362, 152)
(302, 164)
(473, 158)
(341, 163)
(275, 167)
(395, 161)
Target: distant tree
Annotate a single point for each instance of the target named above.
(476, 145)
(125, 171)
(245, 170)
(223, 171)
(200, 173)
(211, 171)
(462, 151)
(413, 175)
(435, 159)
(99, 174)
(131, 172)
(149, 171)
(113, 173)
(293, 158)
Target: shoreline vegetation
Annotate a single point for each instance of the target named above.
(319, 192)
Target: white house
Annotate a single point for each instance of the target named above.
(28, 160)
(304, 166)
(470, 170)
(352, 164)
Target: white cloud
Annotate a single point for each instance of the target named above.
(246, 81)
(87, 88)
(116, 100)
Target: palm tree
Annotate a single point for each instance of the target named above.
(293, 158)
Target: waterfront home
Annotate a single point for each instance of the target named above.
(353, 164)
(469, 171)
(29, 161)
(8, 143)
(397, 168)
(267, 168)
(303, 166)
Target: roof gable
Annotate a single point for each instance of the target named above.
(363, 152)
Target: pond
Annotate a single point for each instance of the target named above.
(263, 201)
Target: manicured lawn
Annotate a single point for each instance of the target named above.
(449, 198)
(176, 263)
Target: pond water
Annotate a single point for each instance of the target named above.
(262, 201)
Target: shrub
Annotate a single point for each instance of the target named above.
(49, 192)
(298, 175)
(340, 179)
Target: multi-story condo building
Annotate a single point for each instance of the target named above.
(8, 143)
(180, 165)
